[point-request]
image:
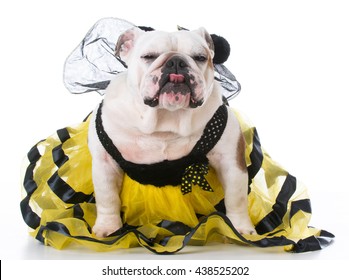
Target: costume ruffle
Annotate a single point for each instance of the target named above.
(59, 207)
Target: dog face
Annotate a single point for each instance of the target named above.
(168, 70)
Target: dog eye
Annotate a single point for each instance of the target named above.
(200, 58)
(150, 56)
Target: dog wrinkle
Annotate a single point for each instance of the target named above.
(108, 160)
(174, 43)
(155, 79)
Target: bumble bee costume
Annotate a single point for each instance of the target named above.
(59, 205)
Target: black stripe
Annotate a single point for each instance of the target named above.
(30, 186)
(66, 193)
(164, 241)
(63, 134)
(34, 154)
(256, 158)
(62, 229)
(29, 216)
(265, 242)
(304, 245)
(324, 241)
(311, 243)
(177, 228)
(274, 218)
(220, 207)
(325, 233)
(300, 205)
(39, 236)
(78, 213)
(58, 155)
(62, 189)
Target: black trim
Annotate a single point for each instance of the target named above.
(34, 154)
(311, 243)
(256, 158)
(65, 192)
(63, 134)
(57, 184)
(220, 207)
(165, 172)
(177, 228)
(274, 218)
(29, 216)
(30, 186)
(300, 205)
(78, 213)
(58, 155)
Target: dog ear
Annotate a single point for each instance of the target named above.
(126, 42)
(204, 34)
(220, 46)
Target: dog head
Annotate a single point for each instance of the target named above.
(168, 70)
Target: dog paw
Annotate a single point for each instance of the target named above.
(106, 225)
(242, 224)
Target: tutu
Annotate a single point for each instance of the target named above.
(59, 206)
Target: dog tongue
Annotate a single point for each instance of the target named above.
(176, 78)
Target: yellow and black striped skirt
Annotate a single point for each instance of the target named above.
(58, 203)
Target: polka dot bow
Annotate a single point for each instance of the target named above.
(195, 175)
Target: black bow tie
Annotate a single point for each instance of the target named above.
(195, 175)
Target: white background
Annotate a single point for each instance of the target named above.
(291, 58)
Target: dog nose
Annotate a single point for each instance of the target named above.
(176, 63)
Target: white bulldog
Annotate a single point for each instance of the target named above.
(157, 111)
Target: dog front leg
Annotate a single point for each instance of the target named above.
(235, 183)
(228, 161)
(107, 180)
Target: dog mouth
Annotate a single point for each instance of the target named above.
(175, 89)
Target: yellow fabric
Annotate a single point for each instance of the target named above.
(143, 204)
(144, 207)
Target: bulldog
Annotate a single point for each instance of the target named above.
(156, 112)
